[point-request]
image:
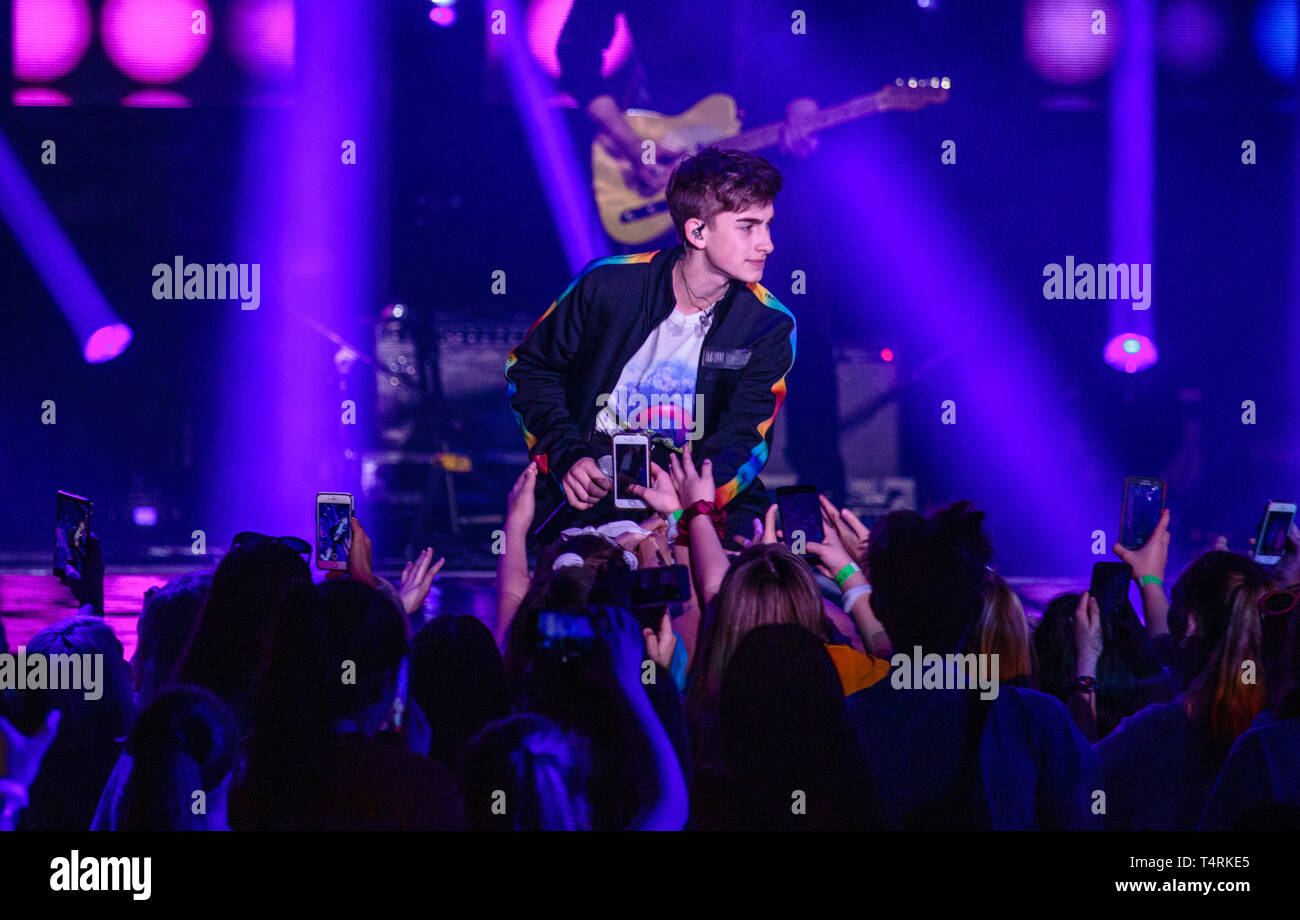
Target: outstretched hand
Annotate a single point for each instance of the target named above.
(653, 551)
(417, 579)
(1087, 635)
(830, 549)
(692, 486)
(853, 534)
(659, 646)
(360, 555)
(87, 584)
(620, 649)
(1153, 557)
(764, 531)
(521, 505)
(1288, 570)
(662, 494)
(21, 755)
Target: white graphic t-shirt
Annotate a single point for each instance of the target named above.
(656, 390)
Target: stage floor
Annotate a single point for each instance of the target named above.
(29, 601)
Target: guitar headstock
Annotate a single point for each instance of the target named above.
(912, 93)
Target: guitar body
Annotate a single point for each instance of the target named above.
(628, 216)
(632, 218)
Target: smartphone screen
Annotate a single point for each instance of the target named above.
(333, 531)
(1272, 535)
(1144, 499)
(664, 584)
(1110, 588)
(564, 634)
(801, 512)
(71, 532)
(631, 466)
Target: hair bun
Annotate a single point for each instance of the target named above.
(959, 528)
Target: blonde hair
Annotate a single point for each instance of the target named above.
(1003, 630)
(766, 584)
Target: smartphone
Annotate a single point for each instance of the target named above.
(71, 532)
(565, 634)
(631, 466)
(1110, 588)
(1144, 499)
(664, 584)
(333, 530)
(1270, 542)
(801, 512)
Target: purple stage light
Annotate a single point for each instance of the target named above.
(886, 354)
(314, 223)
(1130, 352)
(151, 41)
(1131, 346)
(552, 147)
(102, 335)
(1192, 35)
(443, 15)
(40, 95)
(261, 37)
(156, 99)
(144, 516)
(1016, 421)
(543, 23)
(49, 38)
(106, 343)
(1060, 43)
(1274, 33)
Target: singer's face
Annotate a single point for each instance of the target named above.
(739, 242)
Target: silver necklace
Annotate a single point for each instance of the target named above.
(707, 311)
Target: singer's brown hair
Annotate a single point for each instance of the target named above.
(714, 181)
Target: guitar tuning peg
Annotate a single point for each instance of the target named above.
(945, 83)
(898, 81)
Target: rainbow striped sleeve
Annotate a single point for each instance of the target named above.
(511, 359)
(750, 469)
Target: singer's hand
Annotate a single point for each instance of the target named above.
(584, 485)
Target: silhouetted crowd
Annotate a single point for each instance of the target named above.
(770, 698)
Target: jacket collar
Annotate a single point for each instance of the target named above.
(658, 300)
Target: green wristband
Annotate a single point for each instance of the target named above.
(1151, 580)
(675, 516)
(846, 573)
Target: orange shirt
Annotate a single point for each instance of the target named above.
(857, 670)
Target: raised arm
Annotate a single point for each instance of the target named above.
(512, 563)
(709, 561)
(661, 788)
(1149, 572)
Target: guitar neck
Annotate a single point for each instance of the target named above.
(770, 135)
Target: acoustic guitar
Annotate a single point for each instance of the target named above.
(630, 217)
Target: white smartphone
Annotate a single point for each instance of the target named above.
(334, 512)
(631, 465)
(1270, 542)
